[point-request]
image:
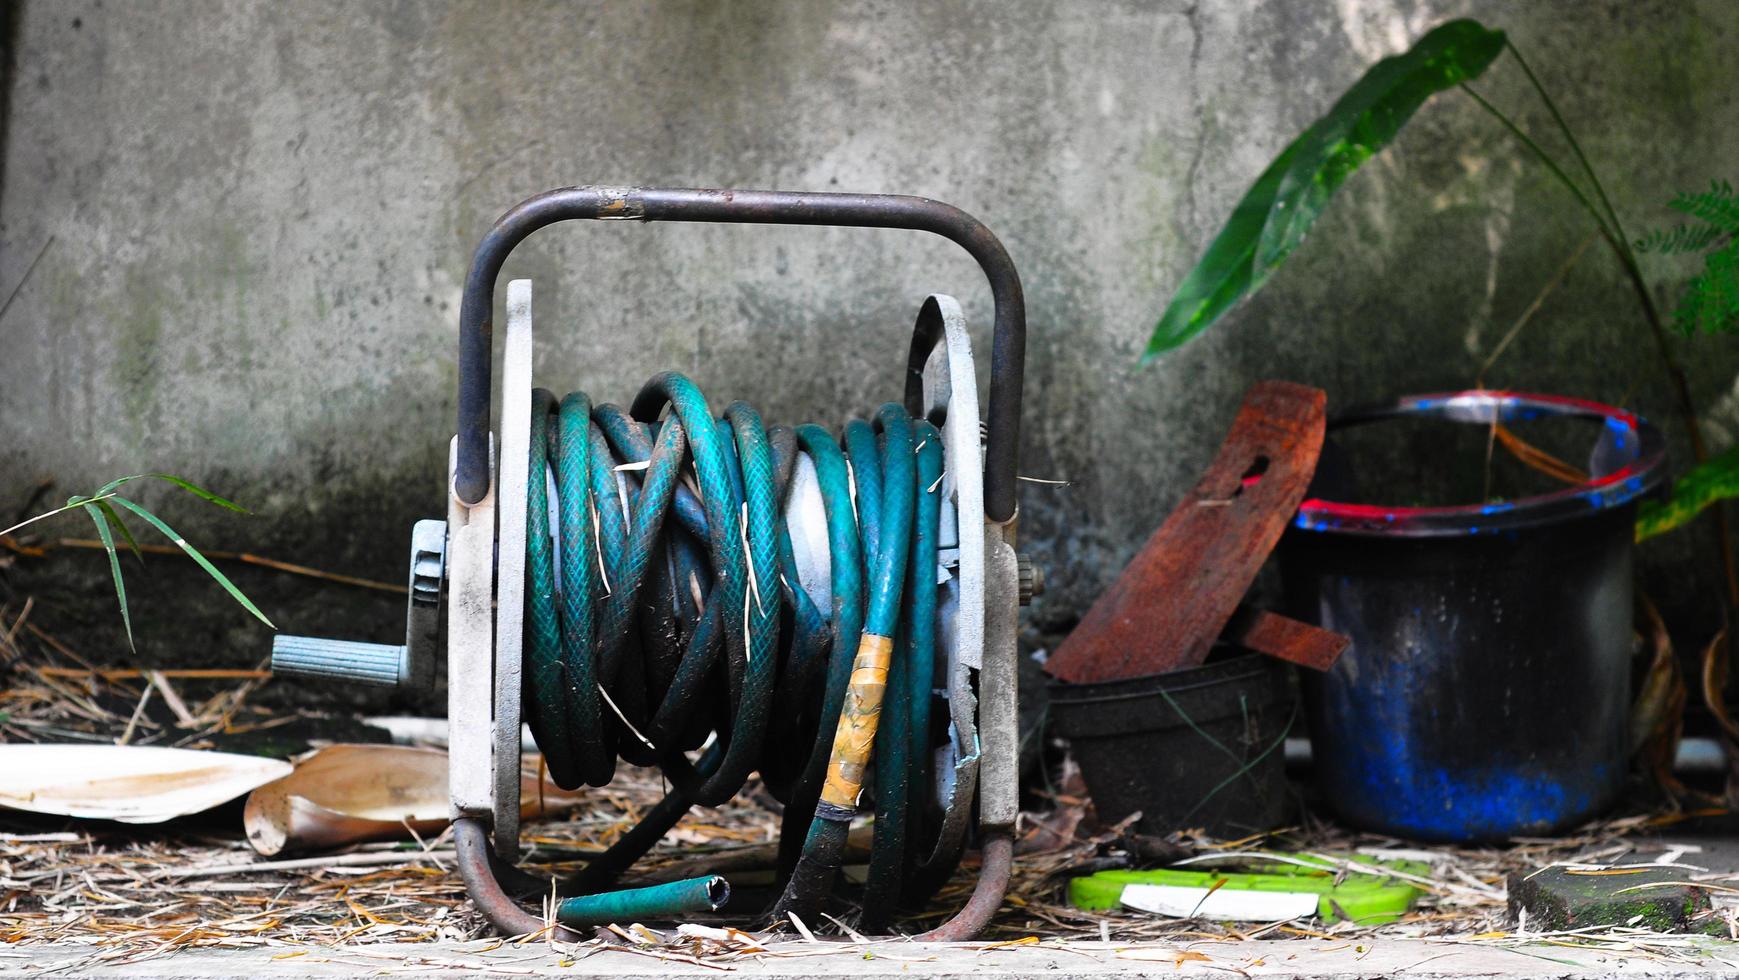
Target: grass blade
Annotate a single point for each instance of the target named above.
(73, 503)
(200, 492)
(113, 485)
(121, 529)
(189, 486)
(198, 558)
(102, 522)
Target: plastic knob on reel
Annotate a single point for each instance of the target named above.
(344, 660)
(410, 665)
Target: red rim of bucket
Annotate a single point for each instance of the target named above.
(1639, 444)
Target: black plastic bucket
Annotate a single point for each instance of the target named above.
(1486, 691)
(1202, 747)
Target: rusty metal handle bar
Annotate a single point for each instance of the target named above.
(1008, 346)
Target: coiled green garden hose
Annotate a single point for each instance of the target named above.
(664, 609)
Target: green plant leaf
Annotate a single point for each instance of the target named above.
(1718, 206)
(1679, 239)
(113, 485)
(1224, 274)
(108, 538)
(196, 490)
(200, 559)
(72, 503)
(110, 525)
(1365, 120)
(1278, 210)
(200, 492)
(121, 529)
(1711, 300)
(1714, 480)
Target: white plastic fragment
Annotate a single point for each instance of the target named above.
(1224, 904)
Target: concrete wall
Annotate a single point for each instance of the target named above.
(253, 220)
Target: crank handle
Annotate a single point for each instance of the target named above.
(410, 665)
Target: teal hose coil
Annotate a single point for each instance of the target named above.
(665, 615)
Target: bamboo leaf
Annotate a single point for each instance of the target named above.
(1278, 210)
(120, 527)
(113, 485)
(200, 559)
(110, 525)
(195, 489)
(108, 539)
(1714, 480)
(200, 492)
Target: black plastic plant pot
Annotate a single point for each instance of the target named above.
(1486, 691)
(1197, 748)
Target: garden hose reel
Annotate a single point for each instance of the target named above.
(476, 562)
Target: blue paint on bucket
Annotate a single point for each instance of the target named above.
(1486, 693)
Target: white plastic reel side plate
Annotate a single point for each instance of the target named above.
(470, 666)
(951, 390)
(510, 564)
(951, 387)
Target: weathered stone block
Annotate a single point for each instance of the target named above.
(1662, 899)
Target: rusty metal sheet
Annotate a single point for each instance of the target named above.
(1176, 596)
(1277, 636)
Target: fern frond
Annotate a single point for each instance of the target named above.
(1718, 206)
(1680, 239)
(1711, 300)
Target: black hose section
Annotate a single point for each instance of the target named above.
(817, 867)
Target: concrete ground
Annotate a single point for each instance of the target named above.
(1304, 958)
(1493, 954)
(1707, 846)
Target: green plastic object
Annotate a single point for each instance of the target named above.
(1365, 899)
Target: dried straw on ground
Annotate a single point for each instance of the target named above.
(132, 892)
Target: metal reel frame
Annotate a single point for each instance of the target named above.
(487, 528)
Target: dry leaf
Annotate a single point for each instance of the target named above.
(1022, 941)
(129, 783)
(347, 794)
(1162, 954)
(1715, 683)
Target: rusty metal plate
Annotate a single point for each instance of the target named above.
(1176, 596)
(1286, 639)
